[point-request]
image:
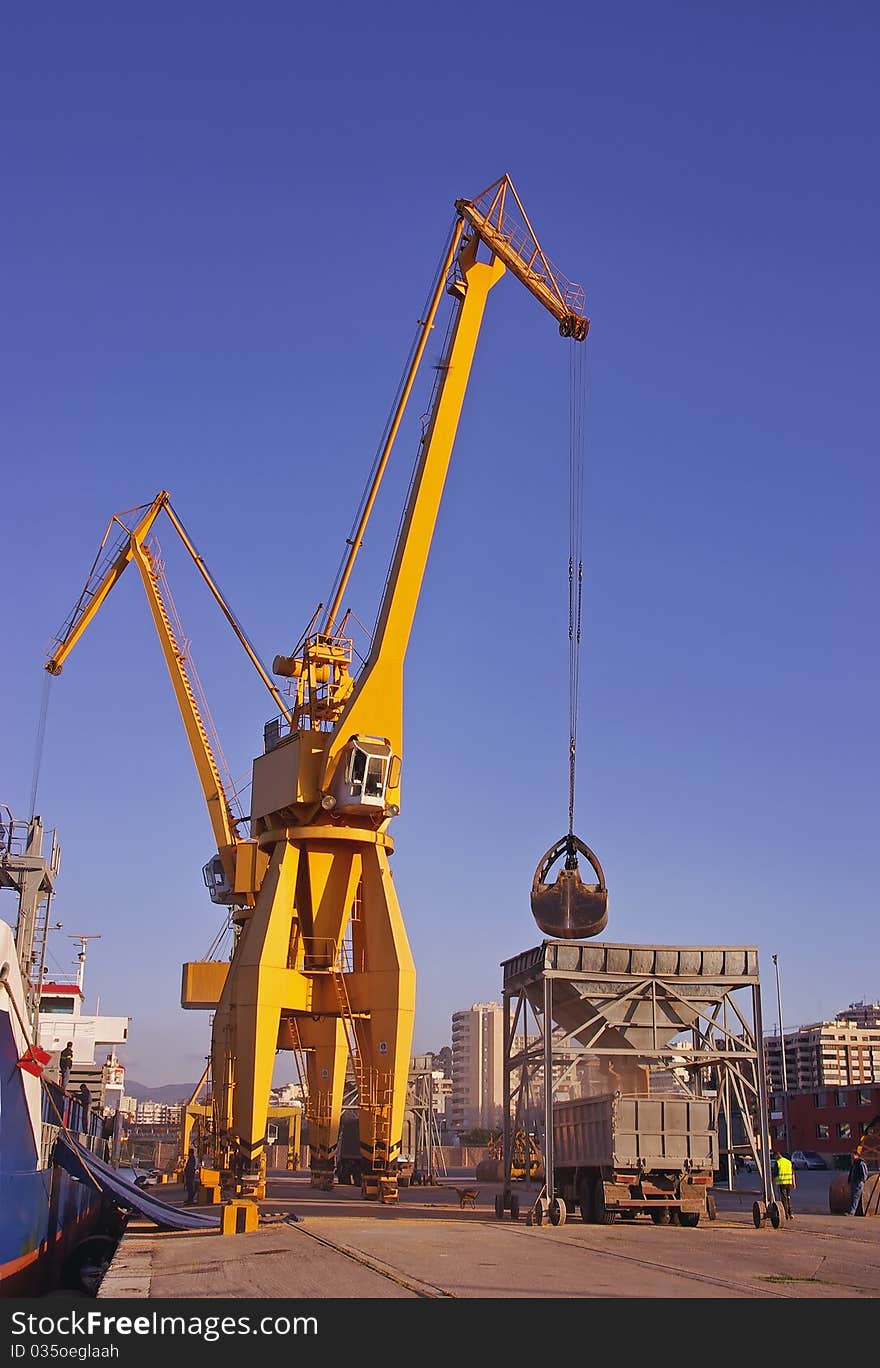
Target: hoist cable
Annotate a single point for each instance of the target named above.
(38, 745)
(391, 415)
(577, 392)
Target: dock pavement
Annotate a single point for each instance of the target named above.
(318, 1245)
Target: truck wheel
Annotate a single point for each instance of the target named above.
(514, 1207)
(585, 1201)
(660, 1216)
(601, 1214)
(689, 1218)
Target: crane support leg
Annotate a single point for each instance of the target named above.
(326, 1060)
(248, 1015)
(382, 994)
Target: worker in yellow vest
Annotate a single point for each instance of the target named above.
(783, 1172)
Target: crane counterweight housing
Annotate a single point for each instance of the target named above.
(321, 963)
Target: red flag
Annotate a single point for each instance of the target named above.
(34, 1060)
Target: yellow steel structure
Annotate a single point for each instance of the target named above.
(324, 953)
(321, 963)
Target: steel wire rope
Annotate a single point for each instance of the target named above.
(439, 372)
(577, 404)
(39, 743)
(390, 419)
(44, 1083)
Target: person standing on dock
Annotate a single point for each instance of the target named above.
(858, 1177)
(784, 1173)
(190, 1176)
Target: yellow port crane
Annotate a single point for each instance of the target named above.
(321, 962)
(326, 939)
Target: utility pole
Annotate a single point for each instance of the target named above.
(785, 1111)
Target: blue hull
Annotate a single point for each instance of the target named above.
(46, 1214)
(44, 1211)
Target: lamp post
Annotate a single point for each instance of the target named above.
(785, 1112)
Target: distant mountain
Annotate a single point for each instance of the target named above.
(168, 1092)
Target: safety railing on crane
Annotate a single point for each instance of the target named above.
(514, 240)
(203, 707)
(108, 553)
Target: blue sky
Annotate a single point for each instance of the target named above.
(220, 226)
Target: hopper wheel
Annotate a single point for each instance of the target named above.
(557, 1212)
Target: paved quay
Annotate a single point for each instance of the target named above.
(428, 1247)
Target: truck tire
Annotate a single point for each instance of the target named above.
(585, 1200)
(689, 1218)
(660, 1216)
(601, 1213)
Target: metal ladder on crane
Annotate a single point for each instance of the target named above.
(187, 671)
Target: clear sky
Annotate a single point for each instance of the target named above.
(220, 225)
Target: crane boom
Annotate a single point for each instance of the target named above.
(516, 244)
(241, 863)
(223, 819)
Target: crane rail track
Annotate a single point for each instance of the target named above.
(416, 1285)
(432, 1290)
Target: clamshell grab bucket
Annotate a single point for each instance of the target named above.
(569, 909)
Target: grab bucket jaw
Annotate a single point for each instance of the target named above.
(569, 909)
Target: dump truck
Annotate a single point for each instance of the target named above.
(618, 1155)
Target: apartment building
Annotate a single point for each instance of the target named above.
(827, 1054)
(864, 1014)
(150, 1113)
(477, 1068)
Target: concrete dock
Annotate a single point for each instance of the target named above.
(427, 1246)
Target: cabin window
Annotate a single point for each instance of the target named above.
(357, 769)
(375, 780)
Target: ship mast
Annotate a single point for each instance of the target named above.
(28, 872)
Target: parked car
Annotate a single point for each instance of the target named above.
(807, 1159)
(141, 1178)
